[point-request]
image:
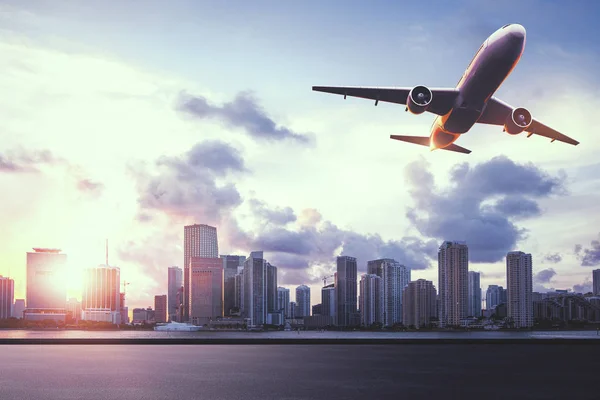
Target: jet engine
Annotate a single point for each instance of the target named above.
(419, 99)
(517, 121)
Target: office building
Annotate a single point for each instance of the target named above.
(419, 304)
(474, 294)
(371, 300)
(328, 298)
(73, 310)
(302, 301)
(255, 289)
(174, 284)
(199, 240)
(231, 264)
(453, 281)
(206, 289)
(596, 282)
(46, 293)
(346, 287)
(283, 300)
(101, 297)
(18, 308)
(7, 295)
(317, 309)
(160, 308)
(395, 278)
(519, 282)
(239, 292)
(271, 288)
(291, 313)
(494, 296)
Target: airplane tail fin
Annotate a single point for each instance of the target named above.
(425, 141)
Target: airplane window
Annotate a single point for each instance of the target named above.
(506, 26)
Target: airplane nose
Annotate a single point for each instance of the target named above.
(516, 32)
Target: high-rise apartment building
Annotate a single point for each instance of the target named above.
(419, 303)
(519, 282)
(73, 310)
(206, 289)
(346, 287)
(395, 278)
(7, 295)
(255, 289)
(494, 296)
(231, 264)
(371, 300)
(199, 240)
(302, 301)
(46, 285)
(328, 299)
(453, 268)
(283, 300)
(101, 297)
(474, 294)
(596, 282)
(18, 308)
(174, 284)
(160, 308)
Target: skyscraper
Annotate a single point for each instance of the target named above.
(328, 299)
(453, 267)
(199, 240)
(346, 287)
(230, 270)
(302, 301)
(101, 297)
(255, 288)
(494, 296)
(371, 299)
(7, 295)
(596, 280)
(474, 294)
(395, 278)
(206, 289)
(419, 303)
(175, 282)
(46, 288)
(271, 288)
(519, 282)
(283, 300)
(160, 308)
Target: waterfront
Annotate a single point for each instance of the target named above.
(143, 334)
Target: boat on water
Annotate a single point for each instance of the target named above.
(177, 327)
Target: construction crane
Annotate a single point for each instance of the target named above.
(125, 284)
(325, 279)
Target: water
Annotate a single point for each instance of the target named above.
(73, 334)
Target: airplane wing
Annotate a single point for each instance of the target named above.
(496, 112)
(441, 103)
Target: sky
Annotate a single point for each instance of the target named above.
(126, 122)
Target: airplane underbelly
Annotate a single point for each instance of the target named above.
(460, 120)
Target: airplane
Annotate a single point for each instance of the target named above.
(472, 101)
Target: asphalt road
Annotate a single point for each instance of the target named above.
(426, 371)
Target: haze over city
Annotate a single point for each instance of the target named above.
(183, 115)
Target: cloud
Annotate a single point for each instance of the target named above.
(545, 275)
(589, 257)
(243, 112)
(26, 161)
(481, 205)
(277, 216)
(585, 287)
(188, 185)
(552, 258)
(90, 187)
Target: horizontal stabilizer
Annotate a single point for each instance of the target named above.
(425, 141)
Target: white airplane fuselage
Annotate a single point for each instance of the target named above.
(492, 64)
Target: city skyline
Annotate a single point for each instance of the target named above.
(171, 146)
